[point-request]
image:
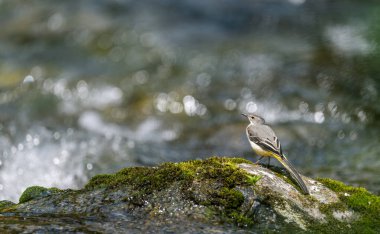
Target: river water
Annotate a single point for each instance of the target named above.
(89, 87)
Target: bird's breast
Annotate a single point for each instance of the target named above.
(259, 150)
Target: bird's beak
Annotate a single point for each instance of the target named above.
(244, 115)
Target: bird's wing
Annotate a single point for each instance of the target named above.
(265, 137)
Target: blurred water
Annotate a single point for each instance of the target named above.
(90, 87)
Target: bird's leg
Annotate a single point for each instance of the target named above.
(257, 162)
(268, 162)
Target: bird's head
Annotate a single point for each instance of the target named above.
(254, 119)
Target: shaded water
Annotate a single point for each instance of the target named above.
(90, 87)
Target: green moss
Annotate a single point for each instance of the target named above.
(5, 204)
(241, 219)
(366, 204)
(156, 178)
(358, 199)
(225, 197)
(141, 178)
(222, 171)
(252, 179)
(100, 181)
(36, 192)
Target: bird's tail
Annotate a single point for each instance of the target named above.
(293, 173)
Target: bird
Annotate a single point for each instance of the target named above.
(265, 143)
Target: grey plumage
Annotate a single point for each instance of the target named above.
(265, 137)
(266, 144)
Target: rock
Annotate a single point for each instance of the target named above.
(228, 195)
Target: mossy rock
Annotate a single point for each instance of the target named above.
(5, 204)
(199, 196)
(34, 192)
(155, 178)
(223, 198)
(354, 200)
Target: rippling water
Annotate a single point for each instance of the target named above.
(89, 87)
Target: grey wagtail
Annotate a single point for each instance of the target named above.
(266, 144)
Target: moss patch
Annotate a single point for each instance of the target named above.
(223, 172)
(36, 192)
(356, 199)
(156, 178)
(5, 204)
(145, 179)
(224, 198)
